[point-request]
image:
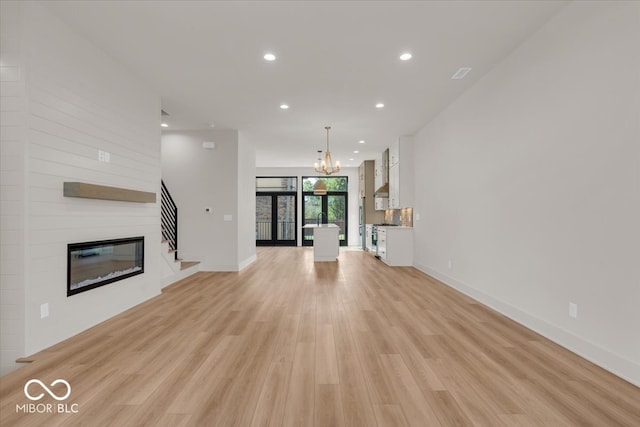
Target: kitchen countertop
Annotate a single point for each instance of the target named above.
(319, 226)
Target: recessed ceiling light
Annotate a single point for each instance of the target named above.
(269, 57)
(212, 125)
(351, 159)
(361, 141)
(461, 73)
(379, 105)
(405, 56)
(355, 151)
(164, 125)
(284, 106)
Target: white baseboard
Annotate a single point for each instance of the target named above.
(244, 264)
(222, 267)
(617, 365)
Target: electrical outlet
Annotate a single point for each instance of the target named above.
(44, 310)
(449, 264)
(573, 310)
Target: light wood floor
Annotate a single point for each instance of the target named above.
(291, 343)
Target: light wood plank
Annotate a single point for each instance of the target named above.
(300, 407)
(285, 342)
(326, 362)
(328, 406)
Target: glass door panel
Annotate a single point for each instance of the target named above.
(276, 219)
(331, 208)
(264, 219)
(336, 211)
(312, 211)
(286, 218)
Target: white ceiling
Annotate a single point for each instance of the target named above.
(335, 61)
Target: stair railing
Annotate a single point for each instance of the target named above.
(169, 221)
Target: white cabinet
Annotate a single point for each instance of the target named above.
(368, 235)
(401, 174)
(381, 249)
(394, 187)
(395, 245)
(394, 154)
(326, 244)
(381, 203)
(378, 176)
(381, 177)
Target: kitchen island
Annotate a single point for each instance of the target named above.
(326, 244)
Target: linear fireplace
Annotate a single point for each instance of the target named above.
(94, 264)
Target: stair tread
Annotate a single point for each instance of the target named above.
(186, 264)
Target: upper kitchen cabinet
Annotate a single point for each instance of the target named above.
(382, 181)
(401, 173)
(401, 149)
(394, 154)
(378, 175)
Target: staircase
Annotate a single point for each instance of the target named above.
(174, 268)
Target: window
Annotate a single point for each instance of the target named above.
(276, 211)
(328, 208)
(276, 184)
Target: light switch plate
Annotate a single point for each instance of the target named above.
(228, 217)
(573, 310)
(44, 310)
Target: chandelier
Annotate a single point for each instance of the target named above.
(326, 166)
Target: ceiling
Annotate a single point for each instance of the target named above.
(334, 61)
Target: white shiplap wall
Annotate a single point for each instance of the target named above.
(80, 101)
(12, 182)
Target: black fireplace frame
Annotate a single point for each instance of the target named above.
(71, 247)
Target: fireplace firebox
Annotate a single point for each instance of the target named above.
(94, 264)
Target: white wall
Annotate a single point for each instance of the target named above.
(530, 185)
(352, 205)
(198, 178)
(246, 202)
(78, 101)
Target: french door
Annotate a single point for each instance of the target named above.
(276, 219)
(328, 208)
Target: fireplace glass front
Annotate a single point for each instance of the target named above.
(94, 264)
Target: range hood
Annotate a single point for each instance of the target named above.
(383, 191)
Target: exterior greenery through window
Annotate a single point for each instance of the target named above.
(334, 183)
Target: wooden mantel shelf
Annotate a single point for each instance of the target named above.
(92, 191)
